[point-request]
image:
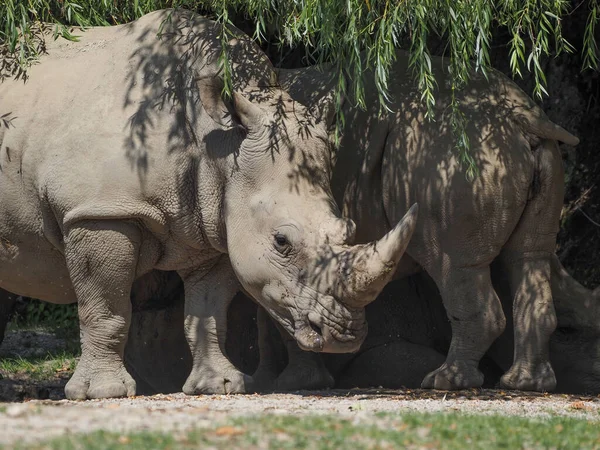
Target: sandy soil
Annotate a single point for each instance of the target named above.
(41, 419)
(33, 410)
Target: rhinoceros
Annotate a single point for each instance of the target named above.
(119, 156)
(508, 215)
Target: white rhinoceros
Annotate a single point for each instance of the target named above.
(118, 156)
(509, 212)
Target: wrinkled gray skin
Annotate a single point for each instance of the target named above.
(504, 215)
(118, 156)
(509, 213)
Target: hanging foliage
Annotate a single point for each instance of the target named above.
(352, 35)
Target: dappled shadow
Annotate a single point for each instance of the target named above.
(384, 165)
(166, 75)
(6, 122)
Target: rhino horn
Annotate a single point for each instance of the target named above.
(367, 268)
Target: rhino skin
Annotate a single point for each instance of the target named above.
(7, 303)
(119, 156)
(507, 217)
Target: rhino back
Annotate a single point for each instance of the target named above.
(409, 159)
(110, 127)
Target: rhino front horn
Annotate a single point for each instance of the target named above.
(369, 267)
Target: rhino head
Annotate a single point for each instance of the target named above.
(288, 245)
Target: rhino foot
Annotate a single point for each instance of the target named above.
(212, 382)
(523, 377)
(264, 380)
(454, 376)
(302, 377)
(89, 384)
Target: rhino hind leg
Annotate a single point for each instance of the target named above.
(526, 259)
(208, 295)
(534, 321)
(102, 259)
(7, 303)
(577, 308)
(575, 346)
(477, 319)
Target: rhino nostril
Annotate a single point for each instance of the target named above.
(316, 328)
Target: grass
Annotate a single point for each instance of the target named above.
(440, 430)
(37, 368)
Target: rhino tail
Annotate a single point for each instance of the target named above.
(528, 115)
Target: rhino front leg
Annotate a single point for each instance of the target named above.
(477, 319)
(102, 259)
(269, 364)
(304, 371)
(208, 295)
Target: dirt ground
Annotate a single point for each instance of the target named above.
(43, 419)
(34, 409)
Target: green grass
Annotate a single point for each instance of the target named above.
(451, 431)
(38, 368)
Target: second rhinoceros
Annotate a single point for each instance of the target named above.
(509, 213)
(118, 156)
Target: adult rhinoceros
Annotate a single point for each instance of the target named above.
(509, 215)
(118, 156)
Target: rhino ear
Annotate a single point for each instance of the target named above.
(249, 114)
(328, 107)
(210, 95)
(239, 111)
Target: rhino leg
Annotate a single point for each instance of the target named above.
(102, 258)
(207, 298)
(534, 321)
(157, 354)
(7, 302)
(576, 307)
(304, 370)
(477, 319)
(526, 259)
(269, 364)
(575, 346)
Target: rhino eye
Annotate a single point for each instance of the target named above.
(281, 243)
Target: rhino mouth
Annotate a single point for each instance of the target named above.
(318, 333)
(309, 336)
(323, 325)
